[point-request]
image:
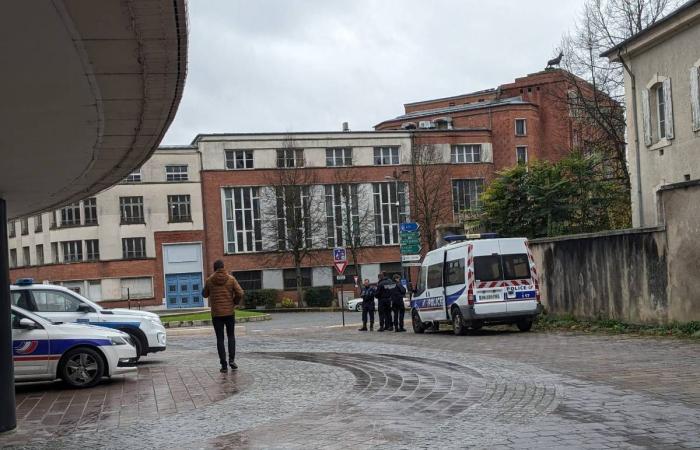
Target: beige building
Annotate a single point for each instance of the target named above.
(662, 66)
(105, 246)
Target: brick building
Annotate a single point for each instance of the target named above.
(239, 184)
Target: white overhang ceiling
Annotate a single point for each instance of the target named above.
(88, 90)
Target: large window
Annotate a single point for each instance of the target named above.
(290, 278)
(131, 210)
(24, 224)
(336, 157)
(250, 280)
(90, 206)
(134, 177)
(389, 211)
(466, 154)
(179, 208)
(176, 173)
(290, 157)
(40, 254)
(466, 194)
(141, 287)
(520, 127)
(502, 267)
(293, 220)
(54, 253)
(13, 258)
(242, 219)
(133, 248)
(11, 230)
(38, 224)
(72, 251)
(92, 249)
(239, 159)
(386, 156)
(660, 110)
(342, 200)
(70, 215)
(521, 154)
(26, 258)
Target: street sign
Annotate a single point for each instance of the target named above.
(411, 264)
(339, 254)
(410, 241)
(410, 258)
(356, 279)
(340, 277)
(409, 226)
(340, 266)
(410, 249)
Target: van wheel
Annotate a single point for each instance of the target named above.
(418, 326)
(81, 367)
(524, 325)
(458, 325)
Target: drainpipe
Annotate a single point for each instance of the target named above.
(635, 125)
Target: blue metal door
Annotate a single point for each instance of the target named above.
(184, 290)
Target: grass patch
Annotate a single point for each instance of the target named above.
(206, 315)
(569, 323)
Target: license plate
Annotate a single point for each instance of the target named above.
(485, 297)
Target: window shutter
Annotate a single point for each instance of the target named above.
(695, 97)
(668, 108)
(646, 117)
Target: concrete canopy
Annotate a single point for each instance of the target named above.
(88, 90)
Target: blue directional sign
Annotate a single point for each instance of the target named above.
(339, 254)
(409, 226)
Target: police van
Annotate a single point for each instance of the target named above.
(79, 354)
(474, 281)
(59, 304)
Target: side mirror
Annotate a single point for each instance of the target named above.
(27, 324)
(83, 308)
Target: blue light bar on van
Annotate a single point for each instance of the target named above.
(467, 237)
(24, 281)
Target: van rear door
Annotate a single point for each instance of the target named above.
(521, 295)
(489, 294)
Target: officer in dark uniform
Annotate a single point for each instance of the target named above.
(367, 295)
(384, 289)
(397, 305)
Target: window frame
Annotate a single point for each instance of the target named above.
(70, 215)
(131, 204)
(289, 158)
(26, 256)
(72, 251)
(90, 204)
(306, 275)
(11, 229)
(386, 229)
(92, 250)
(175, 174)
(524, 122)
(134, 253)
(475, 202)
(339, 156)
(134, 177)
(231, 159)
(466, 154)
(435, 268)
(39, 251)
(517, 155)
(38, 224)
(387, 155)
(252, 283)
(24, 226)
(660, 103)
(13, 258)
(178, 202)
(238, 236)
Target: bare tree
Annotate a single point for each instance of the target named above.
(429, 189)
(350, 217)
(595, 88)
(291, 209)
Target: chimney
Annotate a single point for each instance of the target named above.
(346, 127)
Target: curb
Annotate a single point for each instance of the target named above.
(207, 322)
(299, 310)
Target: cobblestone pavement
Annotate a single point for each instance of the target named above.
(338, 388)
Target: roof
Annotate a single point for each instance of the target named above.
(459, 108)
(470, 94)
(282, 134)
(656, 25)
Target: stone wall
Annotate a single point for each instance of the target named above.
(645, 275)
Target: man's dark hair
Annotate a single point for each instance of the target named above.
(382, 275)
(218, 264)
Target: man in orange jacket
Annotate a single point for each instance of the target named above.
(224, 294)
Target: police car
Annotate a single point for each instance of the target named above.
(78, 354)
(59, 304)
(477, 280)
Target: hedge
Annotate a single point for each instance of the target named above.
(319, 296)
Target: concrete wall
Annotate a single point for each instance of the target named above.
(644, 275)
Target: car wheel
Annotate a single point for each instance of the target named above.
(458, 325)
(477, 325)
(418, 326)
(524, 325)
(81, 367)
(358, 307)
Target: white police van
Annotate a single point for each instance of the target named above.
(477, 280)
(59, 304)
(79, 354)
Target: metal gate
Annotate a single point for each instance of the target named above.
(184, 290)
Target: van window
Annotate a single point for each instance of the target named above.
(455, 272)
(488, 268)
(516, 267)
(435, 276)
(421, 280)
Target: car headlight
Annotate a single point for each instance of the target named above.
(118, 340)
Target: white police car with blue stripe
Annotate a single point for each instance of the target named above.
(59, 304)
(80, 355)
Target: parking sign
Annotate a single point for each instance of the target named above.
(339, 254)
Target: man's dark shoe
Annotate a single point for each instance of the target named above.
(381, 329)
(233, 365)
(362, 329)
(223, 369)
(389, 329)
(402, 330)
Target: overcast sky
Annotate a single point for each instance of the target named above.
(309, 65)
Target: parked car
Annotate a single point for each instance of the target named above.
(474, 282)
(59, 304)
(80, 355)
(356, 304)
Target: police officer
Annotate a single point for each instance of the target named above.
(384, 288)
(397, 305)
(367, 306)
